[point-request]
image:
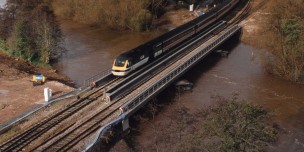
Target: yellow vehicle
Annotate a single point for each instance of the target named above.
(38, 79)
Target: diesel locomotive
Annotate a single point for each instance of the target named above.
(147, 52)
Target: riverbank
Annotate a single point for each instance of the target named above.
(252, 25)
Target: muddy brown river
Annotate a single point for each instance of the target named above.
(92, 50)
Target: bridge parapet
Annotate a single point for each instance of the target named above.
(146, 94)
(140, 100)
(97, 77)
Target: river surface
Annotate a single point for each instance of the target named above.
(241, 73)
(91, 50)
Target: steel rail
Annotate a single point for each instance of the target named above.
(244, 13)
(125, 88)
(81, 129)
(23, 139)
(116, 109)
(87, 131)
(164, 80)
(105, 128)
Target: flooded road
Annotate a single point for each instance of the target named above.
(92, 50)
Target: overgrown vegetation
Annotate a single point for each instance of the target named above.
(228, 125)
(28, 30)
(135, 15)
(284, 39)
(231, 126)
(9, 133)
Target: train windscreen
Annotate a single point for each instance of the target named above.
(120, 61)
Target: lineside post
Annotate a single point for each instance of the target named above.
(125, 124)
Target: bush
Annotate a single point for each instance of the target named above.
(3, 46)
(284, 34)
(115, 14)
(231, 126)
(34, 34)
(19, 45)
(141, 21)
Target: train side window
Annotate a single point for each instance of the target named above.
(157, 47)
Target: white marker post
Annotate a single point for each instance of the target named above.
(191, 7)
(47, 94)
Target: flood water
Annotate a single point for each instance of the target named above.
(91, 50)
(241, 73)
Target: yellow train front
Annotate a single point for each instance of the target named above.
(120, 67)
(129, 61)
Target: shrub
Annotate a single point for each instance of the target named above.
(33, 34)
(20, 42)
(231, 126)
(115, 14)
(141, 21)
(284, 34)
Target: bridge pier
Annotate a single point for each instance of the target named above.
(125, 125)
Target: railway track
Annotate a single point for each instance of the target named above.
(243, 13)
(159, 65)
(82, 129)
(72, 134)
(71, 137)
(18, 142)
(67, 139)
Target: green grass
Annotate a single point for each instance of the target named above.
(10, 132)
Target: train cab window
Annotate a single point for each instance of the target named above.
(129, 63)
(120, 61)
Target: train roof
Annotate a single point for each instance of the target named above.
(185, 26)
(141, 48)
(138, 50)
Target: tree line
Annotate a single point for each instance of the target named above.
(134, 15)
(29, 31)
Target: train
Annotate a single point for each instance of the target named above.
(131, 60)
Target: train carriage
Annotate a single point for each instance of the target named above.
(137, 57)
